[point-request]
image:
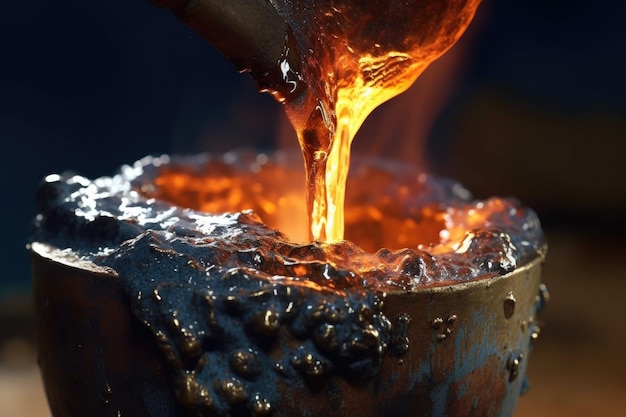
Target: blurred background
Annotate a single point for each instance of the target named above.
(530, 103)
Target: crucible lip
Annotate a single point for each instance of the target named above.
(70, 259)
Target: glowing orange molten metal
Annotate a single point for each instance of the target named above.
(395, 216)
(355, 56)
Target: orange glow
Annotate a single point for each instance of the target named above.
(357, 56)
(221, 189)
(388, 218)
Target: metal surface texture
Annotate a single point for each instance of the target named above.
(468, 348)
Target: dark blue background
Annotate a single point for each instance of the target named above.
(88, 86)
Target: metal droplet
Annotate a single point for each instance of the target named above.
(437, 323)
(260, 406)
(310, 365)
(189, 391)
(232, 390)
(443, 327)
(513, 364)
(509, 305)
(400, 335)
(245, 363)
(280, 369)
(535, 333)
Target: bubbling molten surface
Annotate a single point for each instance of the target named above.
(415, 229)
(351, 57)
(231, 211)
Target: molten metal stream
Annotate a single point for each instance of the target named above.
(354, 56)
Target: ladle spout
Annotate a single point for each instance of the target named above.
(250, 33)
